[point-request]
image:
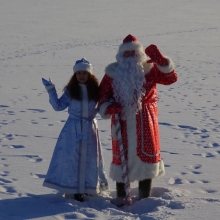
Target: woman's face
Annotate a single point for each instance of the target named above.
(82, 76)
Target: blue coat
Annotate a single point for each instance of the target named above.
(77, 162)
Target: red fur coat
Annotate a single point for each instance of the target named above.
(140, 132)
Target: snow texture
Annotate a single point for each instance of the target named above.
(45, 38)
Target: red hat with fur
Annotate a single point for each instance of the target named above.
(130, 43)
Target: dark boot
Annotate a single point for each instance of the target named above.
(120, 188)
(120, 191)
(144, 188)
(79, 197)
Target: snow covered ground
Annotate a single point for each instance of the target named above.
(44, 39)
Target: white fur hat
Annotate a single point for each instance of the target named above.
(82, 64)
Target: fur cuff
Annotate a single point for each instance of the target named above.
(167, 69)
(50, 87)
(102, 110)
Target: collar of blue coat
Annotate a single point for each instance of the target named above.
(82, 85)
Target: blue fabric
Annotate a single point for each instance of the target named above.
(46, 82)
(78, 135)
(83, 60)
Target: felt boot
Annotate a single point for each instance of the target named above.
(144, 187)
(79, 197)
(120, 188)
(120, 191)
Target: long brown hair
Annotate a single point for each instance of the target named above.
(92, 85)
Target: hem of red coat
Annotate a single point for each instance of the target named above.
(141, 171)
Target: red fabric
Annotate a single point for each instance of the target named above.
(130, 39)
(153, 52)
(149, 133)
(114, 108)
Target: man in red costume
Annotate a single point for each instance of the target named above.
(128, 89)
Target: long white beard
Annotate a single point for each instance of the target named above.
(128, 83)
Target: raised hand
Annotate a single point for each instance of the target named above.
(155, 55)
(48, 84)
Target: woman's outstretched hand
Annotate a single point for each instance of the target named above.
(47, 82)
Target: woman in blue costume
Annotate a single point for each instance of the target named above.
(76, 167)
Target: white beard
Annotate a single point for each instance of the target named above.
(128, 83)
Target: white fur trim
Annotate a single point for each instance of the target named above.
(70, 190)
(50, 87)
(138, 170)
(141, 171)
(130, 46)
(102, 110)
(167, 69)
(110, 69)
(83, 66)
(147, 67)
(84, 101)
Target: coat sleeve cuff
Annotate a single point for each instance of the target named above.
(102, 110)
(50, 87)
(167, 69)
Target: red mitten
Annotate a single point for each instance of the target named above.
(153, 52)
(114, 108)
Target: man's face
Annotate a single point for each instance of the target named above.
(129, 53)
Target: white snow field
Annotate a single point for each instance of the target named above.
(44, 39)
